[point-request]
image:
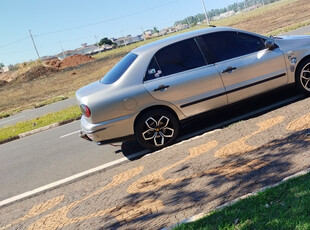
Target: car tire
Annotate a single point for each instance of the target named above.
(303, 76)
(156, 129)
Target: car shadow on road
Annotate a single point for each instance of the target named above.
(221, 118)
(224, 180)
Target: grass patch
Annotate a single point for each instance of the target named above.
(8, 113)
(72, 112)
(283, 207)
(4, 115)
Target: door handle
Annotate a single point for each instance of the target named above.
(161, 87)
(229, 69)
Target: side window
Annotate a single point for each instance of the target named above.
(248, 43)
(153, 70)
(178, 57)
(231, 44)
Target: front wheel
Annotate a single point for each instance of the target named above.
(156, 129)
(303, 76)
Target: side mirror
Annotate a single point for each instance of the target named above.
(270, 44)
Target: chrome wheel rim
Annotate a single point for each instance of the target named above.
(158, 130)
(305, 77)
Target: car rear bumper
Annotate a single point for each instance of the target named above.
(107, 130)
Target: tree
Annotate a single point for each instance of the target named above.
(155, 30)
(237, 6)
(1, 65)
(13, 67)
(105, 41)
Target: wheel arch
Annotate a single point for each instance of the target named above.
(299, 64)
(303, 86)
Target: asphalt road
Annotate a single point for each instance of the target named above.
(43, 158)
(187, 179)
(46, 157)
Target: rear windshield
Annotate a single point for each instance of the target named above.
(119, 69)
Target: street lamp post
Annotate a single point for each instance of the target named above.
(204, 8)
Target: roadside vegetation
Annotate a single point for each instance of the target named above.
(12, 131)
(283, 207)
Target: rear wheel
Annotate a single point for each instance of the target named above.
(156, 129)
(303, 76)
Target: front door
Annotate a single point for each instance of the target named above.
(246, 66)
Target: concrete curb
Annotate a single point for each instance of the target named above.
(230, 203)
(35, 131)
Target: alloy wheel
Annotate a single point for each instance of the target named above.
(305, 77)
(158, 130)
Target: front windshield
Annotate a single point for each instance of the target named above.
(119, 69)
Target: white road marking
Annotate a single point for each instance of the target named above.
(12, 120)
(71, 178)
(130, 157)
(69, 134)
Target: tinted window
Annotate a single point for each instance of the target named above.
(119, 69)
(227, 45)
(178, 57)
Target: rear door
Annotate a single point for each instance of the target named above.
(180, 74)
(246, 66)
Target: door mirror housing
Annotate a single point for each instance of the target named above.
(270, 44)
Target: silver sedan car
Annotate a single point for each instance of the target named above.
(156, 86)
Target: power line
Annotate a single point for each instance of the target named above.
(13, 43)
(108, 20)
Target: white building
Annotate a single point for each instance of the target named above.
(127, 40)
(4, 69)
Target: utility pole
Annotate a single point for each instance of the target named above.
(34, 44)
(204, 8)
(143, 33)
(263, 2)
(188, 23)
(62, 49)
(97, 43)
(124, 39)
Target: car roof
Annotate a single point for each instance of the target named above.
(154, 46)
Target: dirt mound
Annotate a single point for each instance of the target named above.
(35, 72)
(53, 63)
(74, 60)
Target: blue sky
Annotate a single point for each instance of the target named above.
(69, 23)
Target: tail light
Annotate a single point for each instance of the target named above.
(85, 110)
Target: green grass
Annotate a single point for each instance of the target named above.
(286, 206)
(72, 112)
